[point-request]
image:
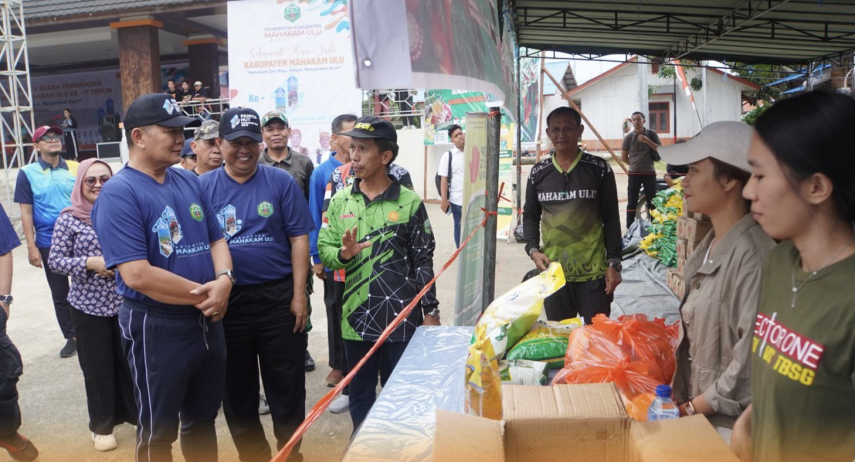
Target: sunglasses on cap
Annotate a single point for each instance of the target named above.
(91, 180)
(50, 138)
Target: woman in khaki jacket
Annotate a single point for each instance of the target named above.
(722, 277)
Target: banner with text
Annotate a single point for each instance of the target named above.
(470, 267)
(297, 57)
(435, 44)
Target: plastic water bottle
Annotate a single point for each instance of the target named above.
(662, 407)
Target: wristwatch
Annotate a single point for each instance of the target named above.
(228, 273)
(690, 408)
(616, 265)
(6, 299)
(434, 314)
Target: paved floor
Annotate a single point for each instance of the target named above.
(52, 396)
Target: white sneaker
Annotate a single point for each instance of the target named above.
(340, 405)
(104, 442)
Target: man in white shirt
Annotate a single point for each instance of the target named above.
(452, 194)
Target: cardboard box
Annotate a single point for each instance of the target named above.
(573, 423)
(692, 229)
(682, 245)
(675, 282)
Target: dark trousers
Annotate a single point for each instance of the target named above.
(334, 305)
(636, 181)
(259, 330)
(456, 211)
(11, 367)
(585, 299)
(363, 388)
(58, 284)
(178, 364)
(71, 152)
(109, 389)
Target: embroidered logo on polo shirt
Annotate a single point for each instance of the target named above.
(393, 216)
(229, 221)
(265, 209)
(346, 216)
(196, 212)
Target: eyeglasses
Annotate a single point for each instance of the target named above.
(50, 138)
(91, 180)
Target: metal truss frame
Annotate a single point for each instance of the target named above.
(16, 102)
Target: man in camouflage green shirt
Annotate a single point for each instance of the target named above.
(572, 196)
(380, 233)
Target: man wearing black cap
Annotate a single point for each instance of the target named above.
(276, 132)
(43, 189)
(175, 274)
(266, 223)
(206, 147)
(188, 157)
(380, 232)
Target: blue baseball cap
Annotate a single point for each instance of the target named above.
(187, 150)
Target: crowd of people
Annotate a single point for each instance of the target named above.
(190, 286)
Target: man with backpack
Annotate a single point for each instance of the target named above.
(639, 150)
(450, 178)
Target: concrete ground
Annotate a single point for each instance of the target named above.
(52, 396)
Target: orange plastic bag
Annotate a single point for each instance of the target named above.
(637, 407)
(634, 353)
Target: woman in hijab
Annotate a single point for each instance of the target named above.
(76, 252)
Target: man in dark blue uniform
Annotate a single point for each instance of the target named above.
(11, 366)
(266, 222)
(175, 274)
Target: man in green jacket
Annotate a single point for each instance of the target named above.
(380, 234)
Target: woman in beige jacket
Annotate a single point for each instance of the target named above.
(722, 277)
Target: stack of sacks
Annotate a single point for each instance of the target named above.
(661, 243)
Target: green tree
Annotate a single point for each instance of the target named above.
(761, 74)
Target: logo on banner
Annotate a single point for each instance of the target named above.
(292, 13)
(265, 209)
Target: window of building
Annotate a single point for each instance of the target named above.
(660, 117)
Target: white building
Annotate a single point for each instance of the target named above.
(610, 98)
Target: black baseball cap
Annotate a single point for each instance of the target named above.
(239, 122)
(373, 127)
(155, 109)
(187, 150)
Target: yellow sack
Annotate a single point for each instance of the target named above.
(511, 316)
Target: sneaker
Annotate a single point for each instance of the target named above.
(20, 448)
(334, 377)
(69, 349)
(310, 363)
(340, 405)
(263, 407)
(104, 442)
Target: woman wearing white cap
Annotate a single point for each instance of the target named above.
(722, 276)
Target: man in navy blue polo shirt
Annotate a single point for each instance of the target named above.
(174, 272)
(267, 223)
(11, 366)
(43, 189)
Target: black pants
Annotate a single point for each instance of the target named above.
(109, 389)
(58, 284)
(333, 301)
(363, 388)
(71, 152)
(259, 328)
(11, 367)
(585, 299)
(178, 364)
(635, 184)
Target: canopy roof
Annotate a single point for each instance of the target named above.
(747, 31)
